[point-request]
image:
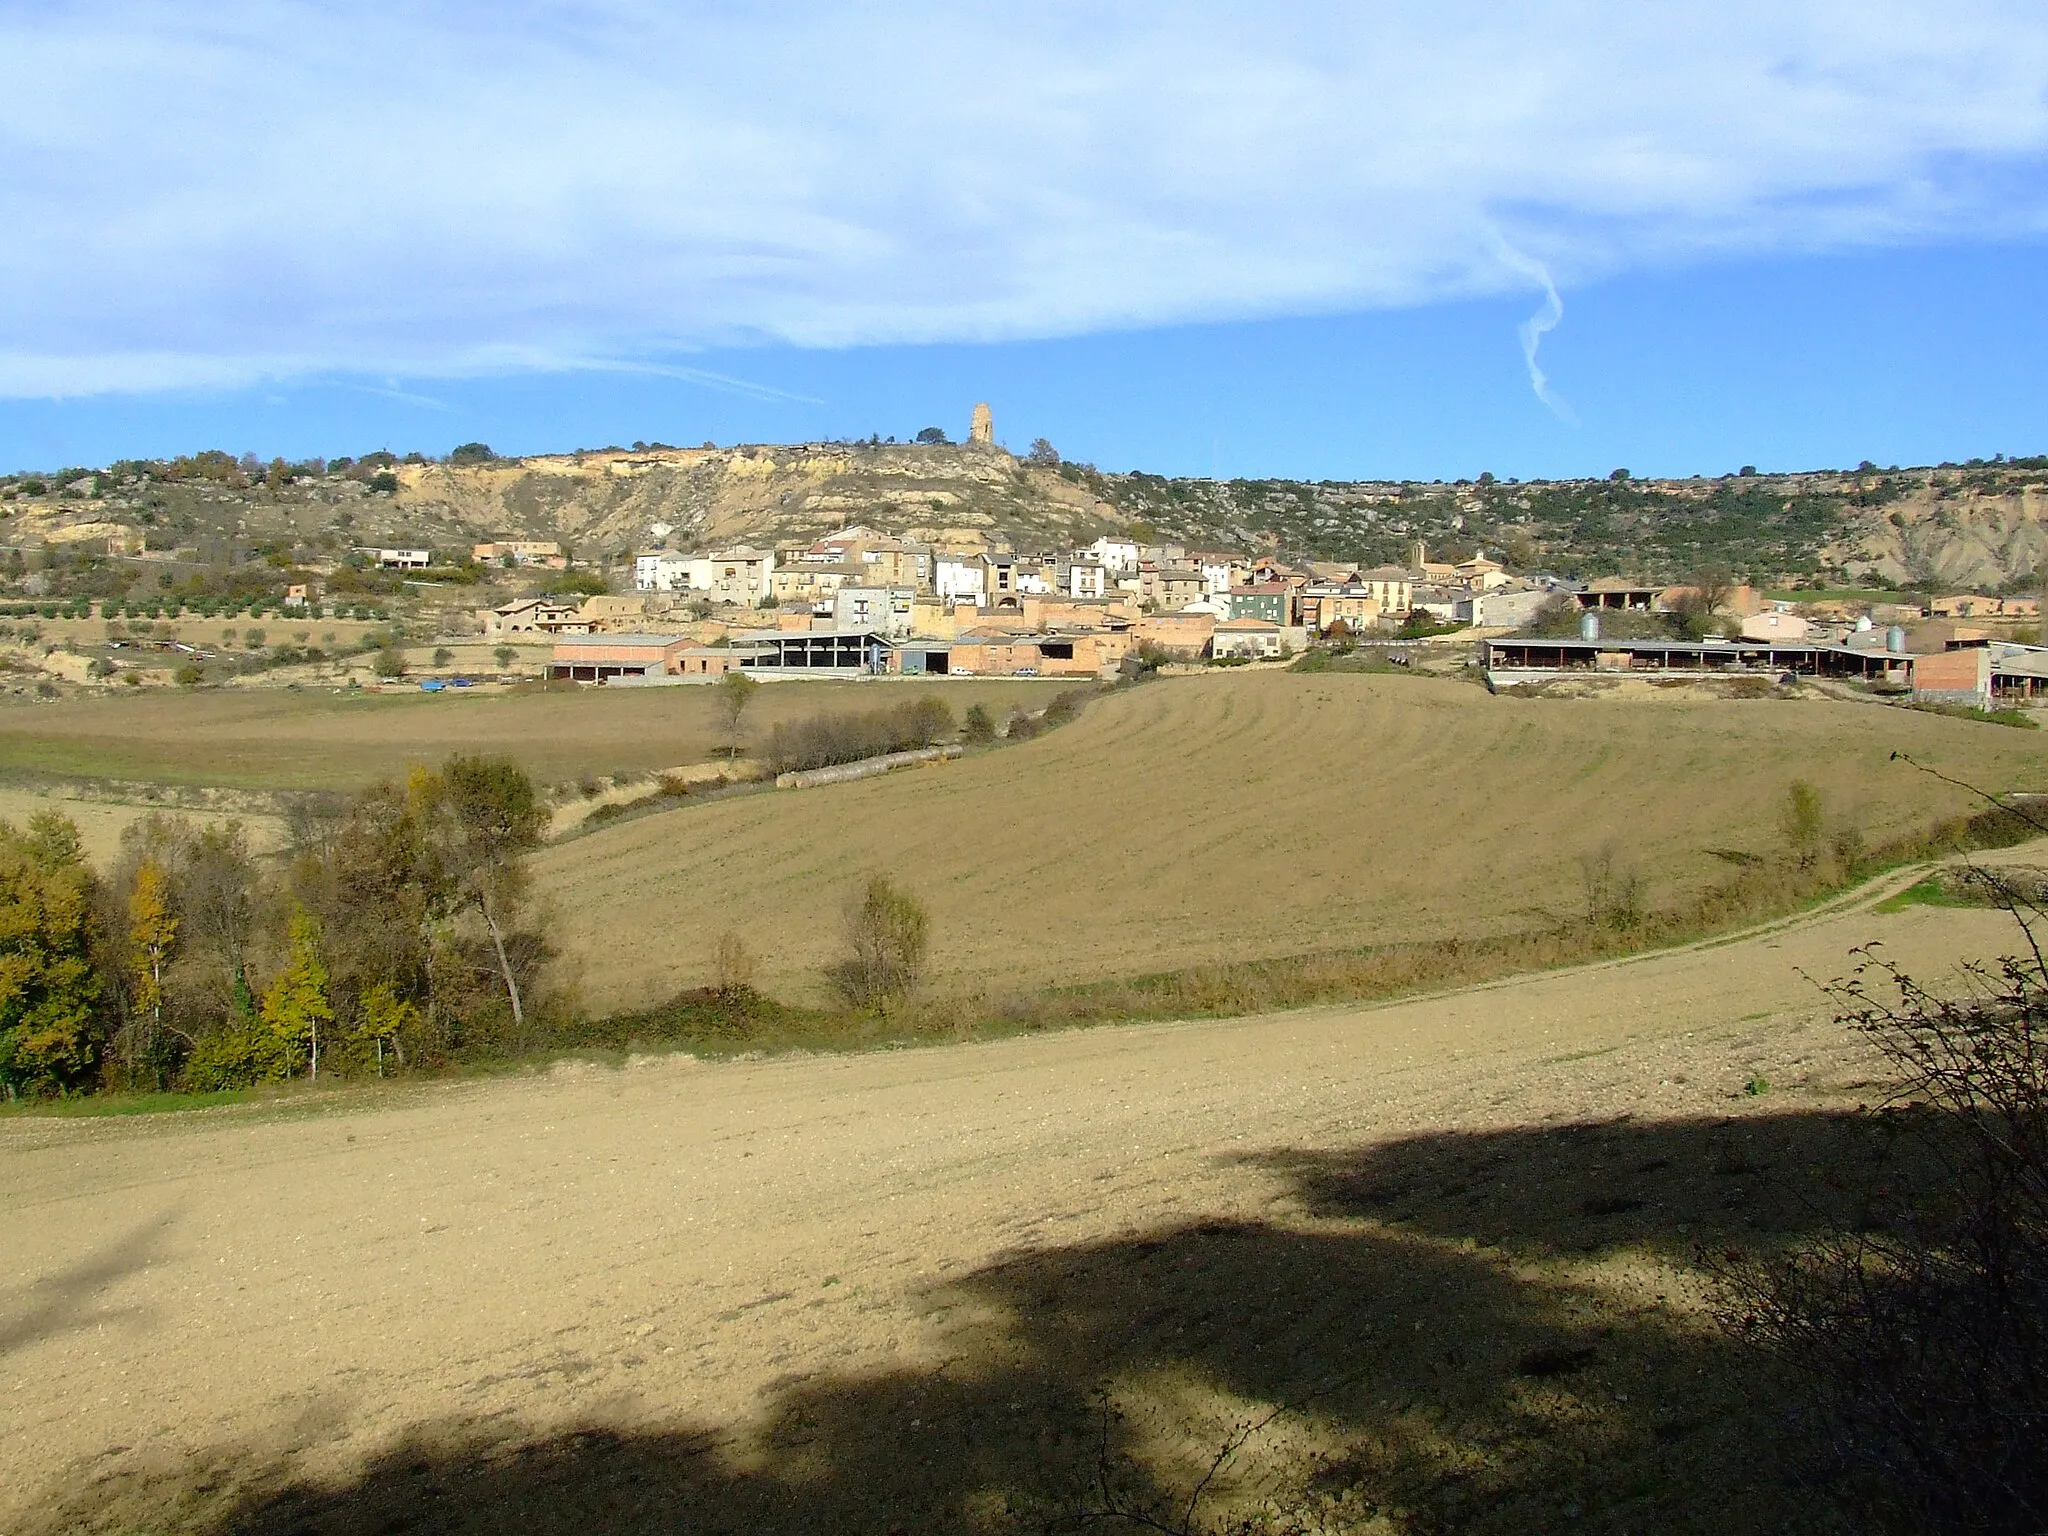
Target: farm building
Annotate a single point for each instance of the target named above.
(603, 658)
(1253, 639)
(1967, 674)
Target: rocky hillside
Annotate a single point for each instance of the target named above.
(1982, 526)
(613, 502)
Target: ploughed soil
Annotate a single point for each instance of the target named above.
(1236, 817)
(1011, 1285)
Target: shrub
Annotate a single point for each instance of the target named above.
(823, 740)
(977, 726)
(188, 675)
(1924, 1321)
(887, 935)
(732, 967)
(1063, 708)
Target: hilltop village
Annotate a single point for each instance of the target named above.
(656, 565)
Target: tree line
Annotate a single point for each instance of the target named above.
(394, 931)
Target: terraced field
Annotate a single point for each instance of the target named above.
(1252, 815)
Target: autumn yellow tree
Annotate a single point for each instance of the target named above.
(50, 1034)
(296, 1004)
(152, 931)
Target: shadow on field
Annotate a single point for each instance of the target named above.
(68, 1300)
(1471, 1332)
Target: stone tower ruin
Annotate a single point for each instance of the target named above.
(982, 429)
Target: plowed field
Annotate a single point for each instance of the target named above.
(977, 1289)
(1238, 817)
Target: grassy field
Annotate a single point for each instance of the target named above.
(275, 739)
(1234, 817)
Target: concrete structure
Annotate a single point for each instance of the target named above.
(1325, 604)
(1618, 592)
(546, 553)
(885, 611)
(960, 578)
(2019, 673)
(1080, 578)
(1254, 639)
(820, 653)
(740, 576)
(982, 653)
(1480, 574)
(1271, 601)
(399, 559)
(1117, 556)
(532, 616)
(1498, 609)
(1775, 624)
(1184, 635)
(814, 583)
(1954, 677)
(1167, 588)
(607, 658)
(1515, 660)
(1389, 586)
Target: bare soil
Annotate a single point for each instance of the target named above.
(963, 1288)
(274, 739)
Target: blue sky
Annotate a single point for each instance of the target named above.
(1302, 239)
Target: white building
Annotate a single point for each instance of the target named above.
(1119, 556)
(400, 559)
(1082, 578)
(660, 571)
(740, 576)
(1220, 573)
(883, 611)
(960, 578)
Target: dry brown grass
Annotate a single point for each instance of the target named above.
(282, 740)
(1237, 818)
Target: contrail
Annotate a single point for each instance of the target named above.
(1532, 330)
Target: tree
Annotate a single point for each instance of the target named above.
(489, 818)
(736, 691)
(50, 1032)
(1042, 453)
(296, 1003)
(933, 435)
(389, 661)
(443, 657)
(977, 726)
(576, 584)
(152, 931)
(506, 656)
(472, 453)
(1714, 584)
(387, 1017)
(1802, 820)
(887, 936)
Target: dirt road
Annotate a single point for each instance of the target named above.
(877, 1291)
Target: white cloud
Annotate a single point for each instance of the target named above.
(287, 189)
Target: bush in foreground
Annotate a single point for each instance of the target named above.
(1925, 1324)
